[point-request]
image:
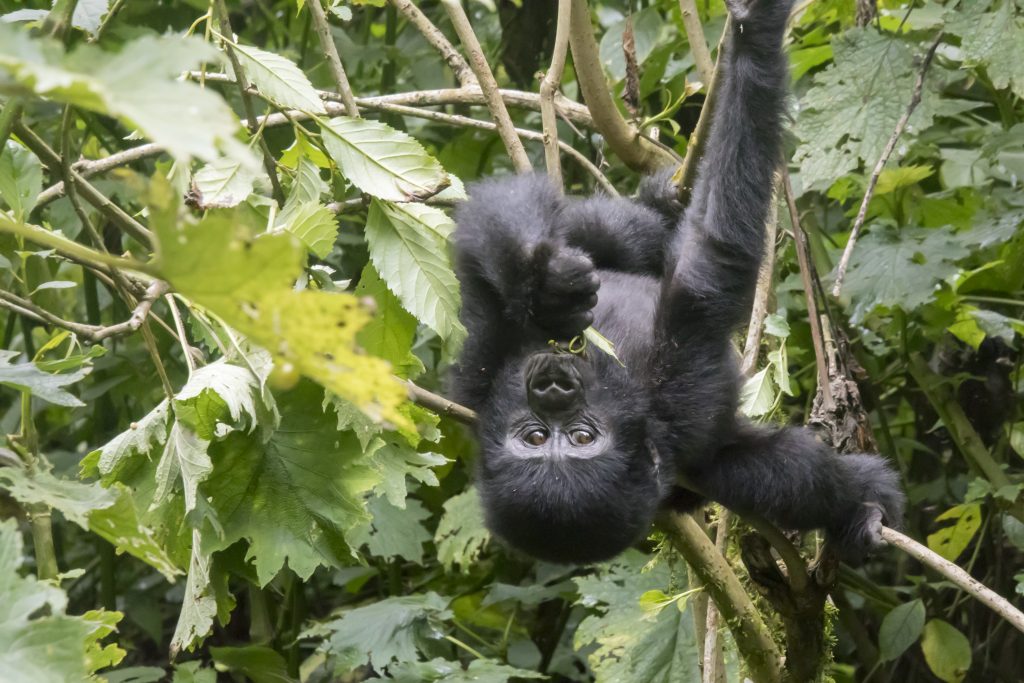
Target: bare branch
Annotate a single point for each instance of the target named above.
(323, 32)
(478, 61)
(858, 222)
(439, 404)
(984, 594)
(433, 35)
(698, 45)
(548, 88)
(635, 150)
(764, 288)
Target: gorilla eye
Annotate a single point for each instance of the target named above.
(581, 437)
(538, 437)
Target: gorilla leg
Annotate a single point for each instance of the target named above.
(797, 482)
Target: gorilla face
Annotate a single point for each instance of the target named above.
(565, 474)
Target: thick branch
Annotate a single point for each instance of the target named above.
(495, 104)
(432, 34)
(858, 222)
(323, 32)
(635, 150)
(984, 594)
(548, 88)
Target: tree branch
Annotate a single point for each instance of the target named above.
(323, 32)
(961, 578)
(548, 87)
(698, 45)
(439, 404)
(858, 222)
(433, 35)
(495, 104)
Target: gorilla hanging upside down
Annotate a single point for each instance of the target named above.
(579, 453)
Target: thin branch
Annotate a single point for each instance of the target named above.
(764, 288)
(495, 104)
(323, 32)
(458, 120)
(635, 150)
(439, 404)
(548, 87)
(463, 74)
(88, 168)
(803, 256)
(70, 248)
(984, 594)
(91, 333)
(99, 200)
(752, 636)
(858, 222)
(698, 45)
(227, 38)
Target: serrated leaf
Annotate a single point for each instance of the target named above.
(223, 183)
(461, 535)
(445, 671)
(993, 38)
(185, 455)
(139, 439)
(757, 395)
(946, 650)
(389, 335)
(900, 629)
(951, 540)
(385, 631)
(314, 225)
(393, 532)
(21, 179)
(394, 461)
(408, 251)
(199, 606)
(381, 161)
(279, 79)
(29, 378)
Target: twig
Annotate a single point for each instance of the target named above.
(858, 222)
(752, 636)
(227, 38)
(764, 288)
(458, 120)
(463, 74)
(984, 594)
(548, 87)
(91, 333)
(439, 404)
(73, 249)
(323, 32)
(698, 140)
(803, 256)
(87, 168)
(635, 150)
(698, 45)
(495, 104)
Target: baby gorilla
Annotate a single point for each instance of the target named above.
(578, 452)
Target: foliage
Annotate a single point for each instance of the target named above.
(236, 466)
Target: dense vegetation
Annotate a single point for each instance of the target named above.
(223, 252)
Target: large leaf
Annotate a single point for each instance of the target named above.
(293, 497)
(29, 378)
(393, 531)
(993, 38)
(946, 650)
(38, 641)
(21, 179)
(382, 161)
(139, 85)
(951, 540)
(223, 183)
(409, 251)
(900, 629)
(279, 79)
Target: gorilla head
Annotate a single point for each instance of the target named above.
(565, 476)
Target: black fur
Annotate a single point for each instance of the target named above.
(673, 287)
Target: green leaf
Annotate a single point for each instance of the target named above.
(992, 38)
(255, 663)
(193, 672)
(946, 650)
(138, 85)
(757, 395)
(381, 161)
(900, 269)
(199, 604)
(892, 179)
(249, 284)
(386, 631)
(409, 250)
(900, 629)
(185, 455)
(138, 440)
(54, 647)
(223, 183)
(626, 642)
(21, 179)
(29, 378)
(950, 541)
(389, 335)
(444, 671)
(294, 496)
(393, 531)
(394, 461)
(314, 225)
(89, 14)
(461, 535)
(279, 79)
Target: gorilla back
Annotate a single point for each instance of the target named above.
(578, 452)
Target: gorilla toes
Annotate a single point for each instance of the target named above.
(879, 501)
(566, 293)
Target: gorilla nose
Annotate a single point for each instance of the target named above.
(554, 388)
(553, 384)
